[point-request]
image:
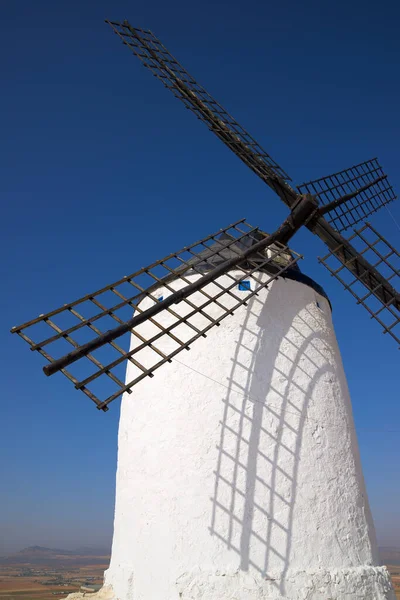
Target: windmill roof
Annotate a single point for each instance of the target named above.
(223, 249)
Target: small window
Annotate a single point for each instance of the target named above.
(160, 299)
(318, 305)
(244, 286)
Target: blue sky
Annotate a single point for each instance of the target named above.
(103, 171)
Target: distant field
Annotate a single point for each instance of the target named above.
(395, 573)
(27, 582)
(32, 582)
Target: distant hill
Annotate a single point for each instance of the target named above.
(39, 555)
(92, 551)
(390, 555)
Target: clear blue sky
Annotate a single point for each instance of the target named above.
(103, 171)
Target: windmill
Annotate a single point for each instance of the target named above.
(238, 468)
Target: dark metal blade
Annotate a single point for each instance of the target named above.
(165, 67)
(100, 371)
(371, 275)
(351, 195)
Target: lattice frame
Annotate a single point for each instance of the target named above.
(386, 260)
(334, 187)
(74, 323)
(154, 56)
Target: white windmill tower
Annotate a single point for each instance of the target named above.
(238, 469)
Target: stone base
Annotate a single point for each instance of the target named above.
(360, 583)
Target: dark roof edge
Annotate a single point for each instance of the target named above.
(296, 275)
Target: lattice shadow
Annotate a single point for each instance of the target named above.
(261, 435)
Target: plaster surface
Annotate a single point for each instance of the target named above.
(239, 474)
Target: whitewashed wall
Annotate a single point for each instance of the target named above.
(238, 469)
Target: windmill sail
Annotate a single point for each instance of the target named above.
(353, 194)
(178, 299)
(165, 67)
(380, 299)
(99, 374)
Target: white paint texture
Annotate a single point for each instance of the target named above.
(238, 468)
